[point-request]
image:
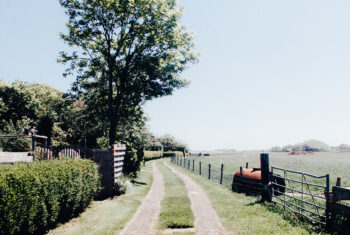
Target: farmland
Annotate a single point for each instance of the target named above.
(334, 164)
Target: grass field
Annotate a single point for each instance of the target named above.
(243, 215)
(334, 164)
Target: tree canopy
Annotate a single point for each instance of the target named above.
(127, 52)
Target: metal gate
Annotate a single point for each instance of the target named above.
(304, 194)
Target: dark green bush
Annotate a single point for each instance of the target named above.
(173, 153)
(132, 161)
(35, 196)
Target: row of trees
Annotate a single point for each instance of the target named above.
(308, 145)
(71, 121)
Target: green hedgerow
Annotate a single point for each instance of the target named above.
(35, 196)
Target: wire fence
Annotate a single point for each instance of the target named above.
(217, 173)
(305, 195)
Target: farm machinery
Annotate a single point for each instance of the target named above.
(258, 181)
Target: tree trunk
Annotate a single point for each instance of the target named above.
(112, 123)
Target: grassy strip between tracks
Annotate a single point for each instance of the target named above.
(241, 214)
(176, 206)
(110, 216)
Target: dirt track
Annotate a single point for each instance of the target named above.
(206, 220)
(144, 220)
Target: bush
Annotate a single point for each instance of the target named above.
(35, 196)
(122, 185)
(132, 161)
(151, 155)
(172, 154)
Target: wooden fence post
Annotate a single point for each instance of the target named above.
(222, 172)
(184, 162)
(180, 161)
(193, 165)
(209, 169)
(200, 168)
(265, 177)
(188, 165)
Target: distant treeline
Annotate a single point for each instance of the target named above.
(311, 146)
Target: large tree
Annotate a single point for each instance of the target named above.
(131, 50)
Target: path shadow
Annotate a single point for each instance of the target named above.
(138, 182)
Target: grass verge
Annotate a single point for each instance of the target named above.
(176, 206)
(241, 214)
(110, 216)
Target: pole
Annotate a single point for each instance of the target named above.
(209, 169)
(222, 172)
(265, 177)
(200, 168)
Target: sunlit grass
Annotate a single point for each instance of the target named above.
(176, 206)
(110, 216)
(241, 214)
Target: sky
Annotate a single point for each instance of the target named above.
(269, 72)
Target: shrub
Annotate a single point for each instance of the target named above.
(150, 155)
(173, 153)
(122, 185)
(132, 161)
(35, 196)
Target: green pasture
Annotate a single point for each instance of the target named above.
(334, 164)
(240, 214)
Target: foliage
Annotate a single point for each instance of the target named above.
(129, 51)
(170, 143)
(151, 155)
(173, 153)
(102, 143)
(110, 216)
(122, 185)
(132, 161)
(343, 147)
(276, 149)
(15, 144)
(33, 104)
(308, 145)
(36, 196)
(287, 148)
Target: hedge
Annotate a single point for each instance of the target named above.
(174, 153)
(150, 155)
(36, 196)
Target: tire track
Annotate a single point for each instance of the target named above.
(206, 221)
(146, 216)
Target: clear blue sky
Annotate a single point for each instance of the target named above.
(270, 72)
